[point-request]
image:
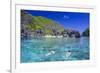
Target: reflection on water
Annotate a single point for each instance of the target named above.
(54, 49)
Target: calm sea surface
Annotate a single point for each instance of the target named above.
(54, 49)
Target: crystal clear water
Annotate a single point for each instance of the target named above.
(54, 49)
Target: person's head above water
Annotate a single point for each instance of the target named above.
(69, 51)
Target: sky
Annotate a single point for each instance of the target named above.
(69, 20)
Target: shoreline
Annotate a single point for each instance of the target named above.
(50, 36)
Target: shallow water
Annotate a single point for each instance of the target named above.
(54, 49)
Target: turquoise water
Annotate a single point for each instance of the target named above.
(54, 49)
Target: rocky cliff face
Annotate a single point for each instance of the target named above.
(26, 19)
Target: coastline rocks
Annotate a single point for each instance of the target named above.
(26, 19)
(86, 33)
(71, 33)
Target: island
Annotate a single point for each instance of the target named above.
(39, 26)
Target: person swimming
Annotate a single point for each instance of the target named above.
(68, 53)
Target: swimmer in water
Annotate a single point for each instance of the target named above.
(68, 53)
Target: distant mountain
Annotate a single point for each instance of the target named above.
(38, 25)
(86, 33)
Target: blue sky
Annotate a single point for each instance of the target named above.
(72, 20)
